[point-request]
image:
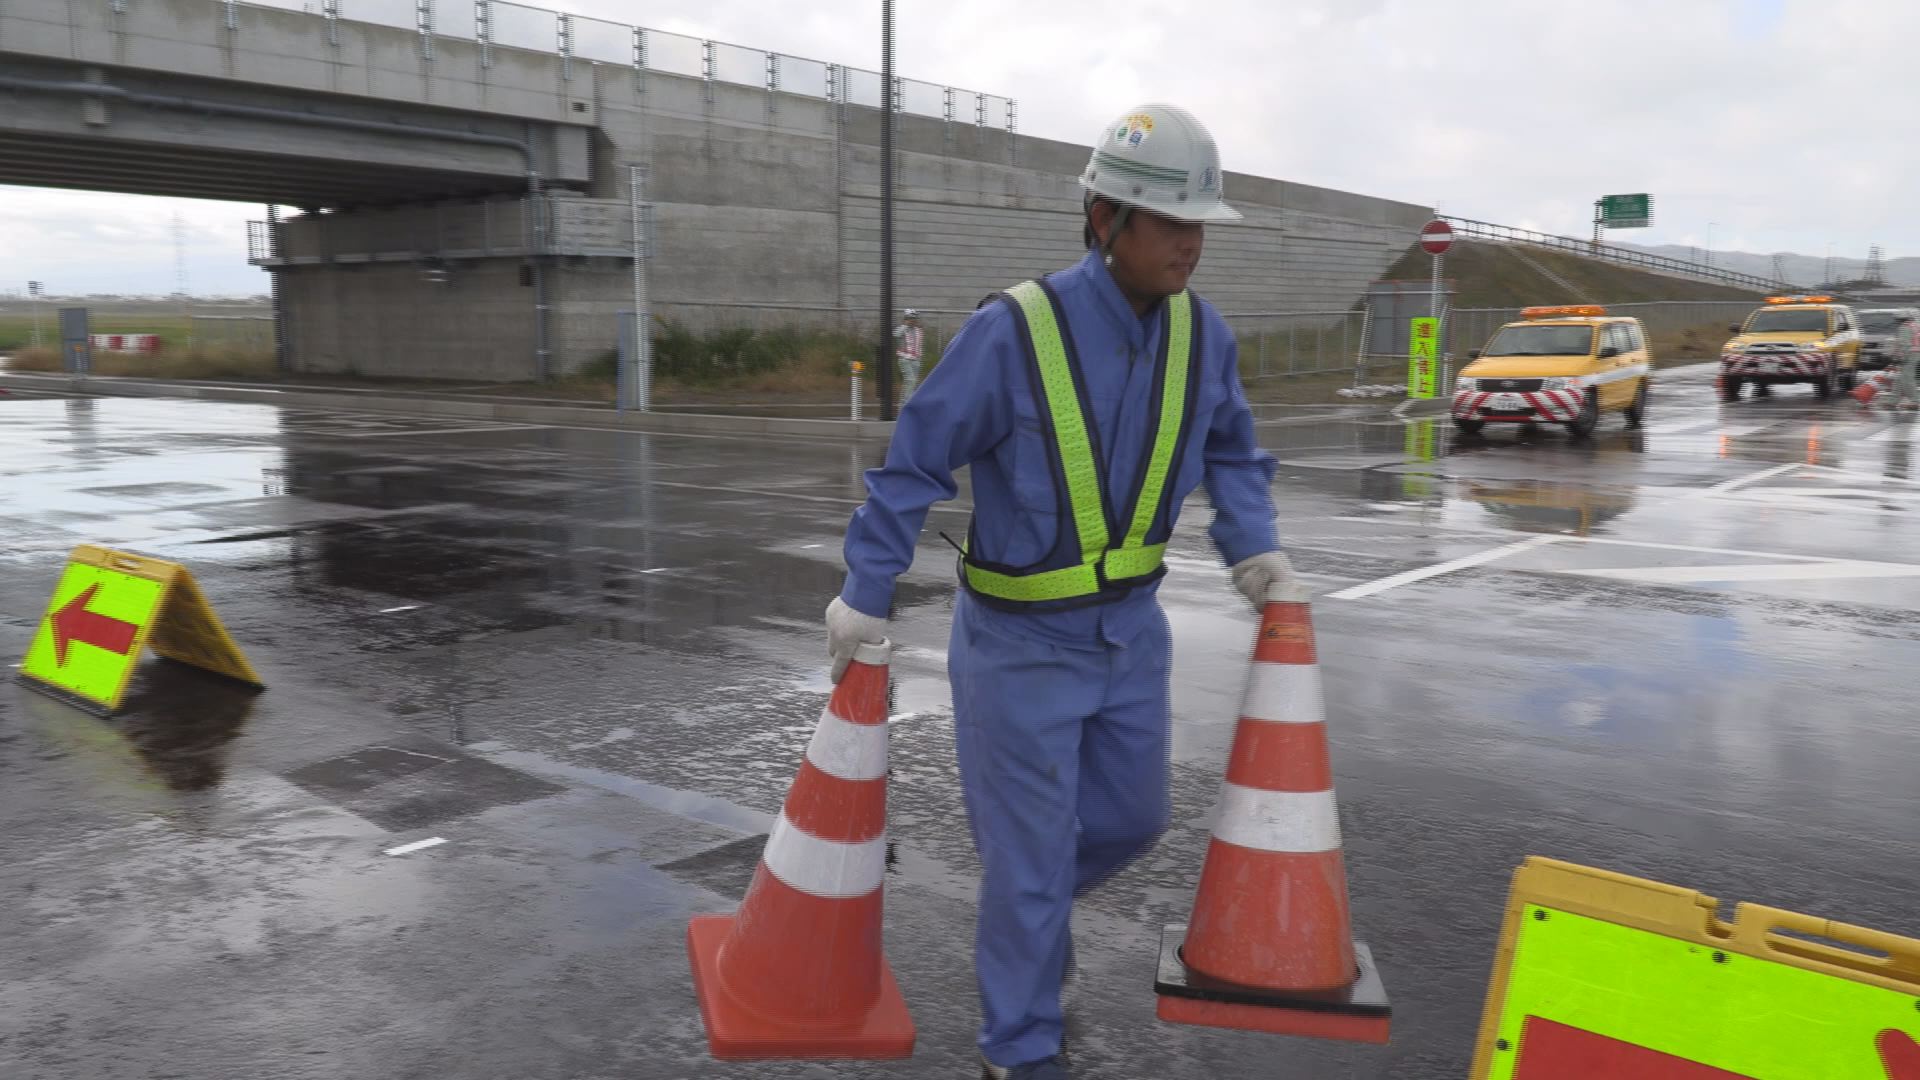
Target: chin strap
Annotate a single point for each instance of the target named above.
(1113, 231)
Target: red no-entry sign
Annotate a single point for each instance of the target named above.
(1436, 237)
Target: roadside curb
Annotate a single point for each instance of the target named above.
(503, 411)
(522, 411)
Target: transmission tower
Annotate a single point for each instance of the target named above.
(1876, 275)
(1780, 269)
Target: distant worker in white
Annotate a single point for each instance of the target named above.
(909, 346)
(1905, 384)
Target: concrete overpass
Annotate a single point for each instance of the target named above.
(490, 144)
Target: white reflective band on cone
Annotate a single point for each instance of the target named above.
(1284, 694)
(823, 867)
(1292, 821)
(848, 751)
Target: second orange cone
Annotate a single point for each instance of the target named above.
(1270, 946)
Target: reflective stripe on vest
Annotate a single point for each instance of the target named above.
(1101, 564)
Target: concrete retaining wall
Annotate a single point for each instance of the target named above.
(759, 198)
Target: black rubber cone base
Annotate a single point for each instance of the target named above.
(1357, 1012)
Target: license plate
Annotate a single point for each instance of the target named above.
(1769, 367)
(1507, 403)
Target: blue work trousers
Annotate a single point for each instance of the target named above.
(1063, 760)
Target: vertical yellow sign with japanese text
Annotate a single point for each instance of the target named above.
(1423, 358)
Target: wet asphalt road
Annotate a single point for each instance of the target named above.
(590, 661)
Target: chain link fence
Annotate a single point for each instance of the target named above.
(1666, 321)
(239, 333)
(1284, 344)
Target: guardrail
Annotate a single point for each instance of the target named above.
(497, 24)
(1507, 234)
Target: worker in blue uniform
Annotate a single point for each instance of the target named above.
(1088, 405)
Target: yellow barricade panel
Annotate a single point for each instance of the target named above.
(1603, 975)
(107, 608)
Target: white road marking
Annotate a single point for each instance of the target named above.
(1465, 563)
(1893, 433)
(950, 508)
(1864, 478)
(1796, 571)
(431, 431)
(403, 607)
(1691, 548)
(1739, 482)
(1675, 428)
(1742, 431)
(1789, 499)
(417, 845)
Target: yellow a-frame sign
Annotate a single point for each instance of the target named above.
(108, 608)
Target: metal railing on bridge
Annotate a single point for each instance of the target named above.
(1625, 256)
(495, 24)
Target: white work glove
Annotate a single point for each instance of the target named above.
(1256, 577)
(846, 630)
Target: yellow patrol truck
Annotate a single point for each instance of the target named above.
(1792, 339)
(1557, 365)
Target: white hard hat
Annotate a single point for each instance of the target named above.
(1159, 158)
(909, 313)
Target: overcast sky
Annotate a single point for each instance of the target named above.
(1782, 125)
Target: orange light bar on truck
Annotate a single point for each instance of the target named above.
(1579, 311)
(1799, 299)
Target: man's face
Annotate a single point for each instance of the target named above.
(1155, 255)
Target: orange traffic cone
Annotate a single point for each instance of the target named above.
(798, 972)
(1271, 944)
(1870, 386)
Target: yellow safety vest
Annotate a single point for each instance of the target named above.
(1097, 569)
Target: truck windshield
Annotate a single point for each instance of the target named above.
(1788, 321)
(1541, 341)
(1878, 322)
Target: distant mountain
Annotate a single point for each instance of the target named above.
(1800, 269)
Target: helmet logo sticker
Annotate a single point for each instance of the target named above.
(1209, 179)
(1133, 130)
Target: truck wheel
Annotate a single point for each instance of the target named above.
(1730, 388)
(1637, 412)
(1589, 417)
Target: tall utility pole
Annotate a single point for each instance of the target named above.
(180, 274)
(1710, 226)
(884, 359)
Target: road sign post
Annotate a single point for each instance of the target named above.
(36, 290)
(76, 343)
(1436, 238)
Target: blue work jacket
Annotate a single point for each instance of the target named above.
(979, 409)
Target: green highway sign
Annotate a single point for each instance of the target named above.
(1626, 211)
